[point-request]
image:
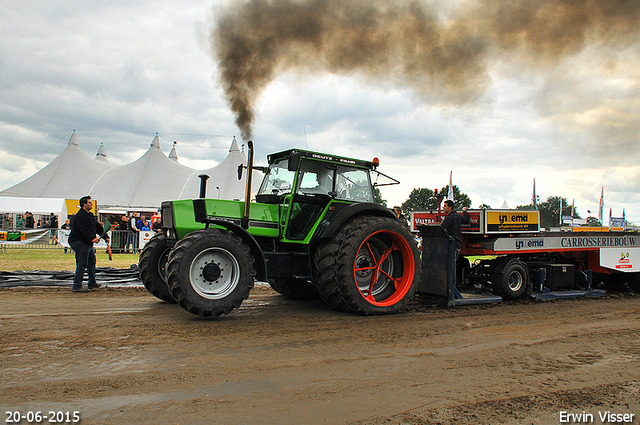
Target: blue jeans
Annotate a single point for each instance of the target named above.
(132, 239)
(85, 260)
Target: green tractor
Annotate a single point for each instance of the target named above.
(314, 231)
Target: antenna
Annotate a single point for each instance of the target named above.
(304, 127)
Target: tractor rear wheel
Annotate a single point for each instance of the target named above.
(153, 263)
(294, 289)
(210, 272)
(371, 266)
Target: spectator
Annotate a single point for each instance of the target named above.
(66, 226)
(157, 225)
(452, 224)
(133, 234)
(140, 223)
(398, 211)
(30, 222)
(53, 225)
(122, 228)
(83, 235)
(53, 221)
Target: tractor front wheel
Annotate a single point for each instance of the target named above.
(153, 263)
(210, 272)
(371, 266)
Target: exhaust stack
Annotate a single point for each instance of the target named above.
(203, 185)
(247, 195)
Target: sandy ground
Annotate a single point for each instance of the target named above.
(120, 356)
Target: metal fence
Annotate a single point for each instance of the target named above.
(121, 241)
(124, 241)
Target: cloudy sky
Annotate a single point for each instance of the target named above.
(498, 95)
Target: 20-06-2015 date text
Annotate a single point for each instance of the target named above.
(50, 417)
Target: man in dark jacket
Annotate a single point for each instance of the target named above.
(84, 231)
(157, 225)
(452, 224)
(53, 225)
(31, 223)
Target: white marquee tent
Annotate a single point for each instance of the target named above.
(223, 180)
(145, 182)
(139, 186)
(70, 175)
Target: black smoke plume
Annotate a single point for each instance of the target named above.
(440, 53)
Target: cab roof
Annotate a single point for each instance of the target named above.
(318, 156)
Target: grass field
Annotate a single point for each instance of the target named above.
(14, 259)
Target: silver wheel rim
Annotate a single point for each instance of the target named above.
(162, 264)
(214, 273)
(363, 259)
(515, 281)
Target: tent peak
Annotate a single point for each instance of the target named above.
(173, 155)
(73, 140)
(155, 143)
(102, 154)
(234, 145)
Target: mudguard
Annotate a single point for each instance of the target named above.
(334, 220)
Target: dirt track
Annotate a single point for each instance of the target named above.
(120, 356)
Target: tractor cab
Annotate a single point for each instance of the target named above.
(307, 185)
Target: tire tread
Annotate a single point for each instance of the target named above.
(148, 262)
(179, 288)
(333, 270)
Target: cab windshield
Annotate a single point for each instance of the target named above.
(340, 182)
(278, 181)
(319, 178)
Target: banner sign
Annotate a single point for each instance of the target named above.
(39, 237)
(485, 221)
(569, 242)
(503, 221)
(616, 222)
(435, 217)
(63, 239)
(25, 237)
(14, 236)
(144, 237)
(622, 260)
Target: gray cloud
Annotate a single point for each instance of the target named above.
(405, 44)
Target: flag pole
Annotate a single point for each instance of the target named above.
(561, 212)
